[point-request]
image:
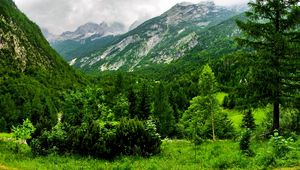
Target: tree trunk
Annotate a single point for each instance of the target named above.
(213, 125)
(276, 116)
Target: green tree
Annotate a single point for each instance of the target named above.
(145, 104)
(132, 103)
(208, 88)
(163, 112)
(3, 125)
(197, 122)
(23, 132)
(248, 121)
(271, 40)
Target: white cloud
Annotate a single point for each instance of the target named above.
(63, 15)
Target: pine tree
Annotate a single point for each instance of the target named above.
(271, 40)
(145, 104)
(132, 103)
(248, 121)
(163, 112)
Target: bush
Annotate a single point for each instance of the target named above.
(280, 145)
(100, 139)
(24, 131)
(137, 138)
(53, 141)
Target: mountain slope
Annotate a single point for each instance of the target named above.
(31, 72)
(160, 40)
(86, 39)
(92, 30)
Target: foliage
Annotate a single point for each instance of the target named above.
(203, 118)
(163, 112)
(31, 85)
(248, 121)
(3, 125)
(289, 122)
(281, 146)
(196, 121)
(245, 142)
(24, 131)
(229, 102)
(137, 138)
(272, 49)
(100, 139)
(145, 103)
(88, 127)
(176, 154)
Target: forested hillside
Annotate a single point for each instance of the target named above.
(231, 101)
(31, 72)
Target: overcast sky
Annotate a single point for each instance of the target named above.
(66, 15)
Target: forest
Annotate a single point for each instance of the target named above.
(238, 109)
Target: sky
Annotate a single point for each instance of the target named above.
(66, 15)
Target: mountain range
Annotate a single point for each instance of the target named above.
(161, 40)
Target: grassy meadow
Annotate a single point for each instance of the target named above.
(176, 154)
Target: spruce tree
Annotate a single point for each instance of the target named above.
(272, 48)
(145, 104)
(132, 103)
(163, 112)
(248, 121)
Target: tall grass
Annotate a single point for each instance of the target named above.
(176, 154)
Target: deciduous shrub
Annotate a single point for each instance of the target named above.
(280, 145)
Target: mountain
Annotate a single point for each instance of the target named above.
(92, 30)
(32, 74)
(86, 39)
(160, 40)
(48, 35)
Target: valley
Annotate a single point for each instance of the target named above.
(199, 86)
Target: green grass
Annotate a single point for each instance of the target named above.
(6, 136)
(236, 116)
(176, 154)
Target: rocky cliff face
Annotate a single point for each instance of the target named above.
(23, 48)
(86, 31)
(159, 40)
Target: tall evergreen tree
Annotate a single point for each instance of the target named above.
(145, 104)
(272, 38)
(132, 103)
(163, 112)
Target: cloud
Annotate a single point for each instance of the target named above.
(62, 15)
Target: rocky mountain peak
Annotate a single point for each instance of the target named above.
(92, 29)
(186, 11)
